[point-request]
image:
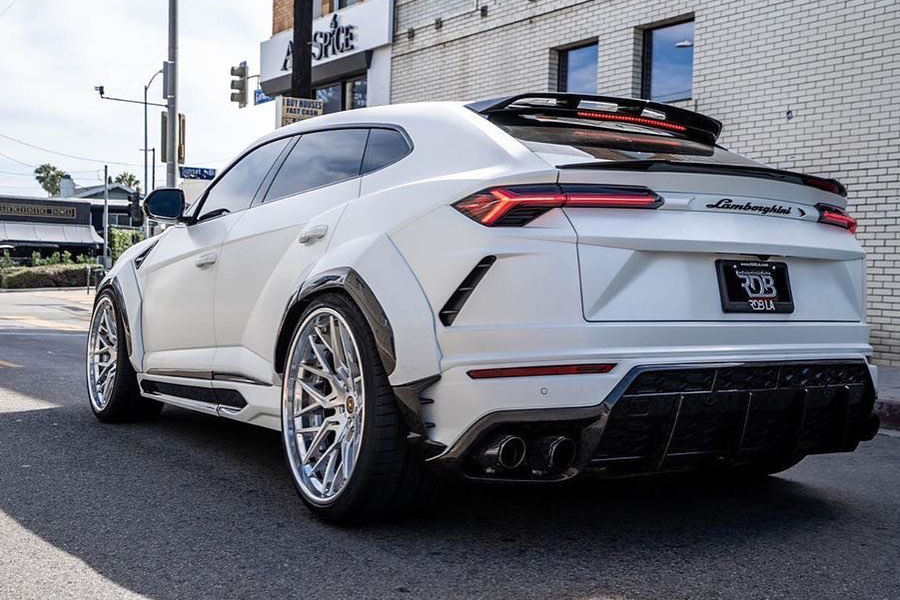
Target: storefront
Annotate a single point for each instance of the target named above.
(351, 52)
(46, 225)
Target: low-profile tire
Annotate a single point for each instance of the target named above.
(112, 384)
(344, 438)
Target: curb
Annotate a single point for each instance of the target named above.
(43, 289)
(889, 413)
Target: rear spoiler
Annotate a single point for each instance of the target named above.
(829, 185)
(692, 125)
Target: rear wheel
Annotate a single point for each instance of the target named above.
(112, 383)
(344, 439)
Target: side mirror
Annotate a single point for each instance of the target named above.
(165, 205)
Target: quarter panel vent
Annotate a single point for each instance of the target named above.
(459, 297)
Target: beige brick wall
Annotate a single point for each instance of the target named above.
(282, 15)
(834, 63)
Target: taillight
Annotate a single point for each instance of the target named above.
(514, 206)
(835, 216)
(601, 116)
(541, 371)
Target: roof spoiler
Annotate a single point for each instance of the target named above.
(696, 126)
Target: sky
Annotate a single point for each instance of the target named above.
(55, 51)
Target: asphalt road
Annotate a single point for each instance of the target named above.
(194, 507)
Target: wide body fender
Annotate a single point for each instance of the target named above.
(377, 265)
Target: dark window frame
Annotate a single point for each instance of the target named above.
(262, 195)
(647, 57)
(198, 209)
(562, 63)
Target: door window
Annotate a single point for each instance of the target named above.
(234, 191)
(320, 158)
(385, 146)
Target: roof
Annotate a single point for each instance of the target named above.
(41, 234)
(86, 192)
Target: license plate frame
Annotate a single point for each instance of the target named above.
(758, 287)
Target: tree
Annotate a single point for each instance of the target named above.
(49, 177)
(129, 179)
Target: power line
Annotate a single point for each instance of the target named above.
(72, 156)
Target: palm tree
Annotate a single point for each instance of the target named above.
(129, 179)
(49, 176)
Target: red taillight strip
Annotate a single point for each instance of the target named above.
(629, 119)
(492, 207)
(541, 371)
(833, 216)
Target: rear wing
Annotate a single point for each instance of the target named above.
(691, 125)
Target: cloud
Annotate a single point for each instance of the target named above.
(56, 51)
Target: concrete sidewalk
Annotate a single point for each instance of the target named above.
(888, 405)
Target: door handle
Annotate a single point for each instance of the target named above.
(206, 260)
(311, 234)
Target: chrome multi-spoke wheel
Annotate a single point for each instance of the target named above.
(323, 405)
(103, 352)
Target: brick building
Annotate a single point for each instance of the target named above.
(801, 85)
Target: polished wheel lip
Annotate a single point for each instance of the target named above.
(102, 353)
(323, 406)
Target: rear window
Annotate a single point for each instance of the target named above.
(613, 141)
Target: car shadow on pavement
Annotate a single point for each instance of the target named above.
(190, 506)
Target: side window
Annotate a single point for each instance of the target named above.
(235, 190)
(385, 146)
(320, 158)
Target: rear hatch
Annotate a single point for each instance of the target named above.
(731, 238)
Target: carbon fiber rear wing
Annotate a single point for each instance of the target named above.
(691, 125)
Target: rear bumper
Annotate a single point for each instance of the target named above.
(664, 417)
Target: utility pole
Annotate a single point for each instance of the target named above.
(301, 57)
(172, 100)
(106, 217)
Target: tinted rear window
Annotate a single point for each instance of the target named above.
(385, 146)
(612, 141)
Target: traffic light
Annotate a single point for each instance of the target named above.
(134, 208)
(239, 84)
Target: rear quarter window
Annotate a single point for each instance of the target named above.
(385, 146)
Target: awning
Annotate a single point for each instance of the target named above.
(44, 234)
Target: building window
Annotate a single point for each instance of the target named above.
(329, 6)
(668, 65)
(344, 95)
(578, 70)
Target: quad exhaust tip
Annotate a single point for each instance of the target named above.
(558, 452)
(506, 452)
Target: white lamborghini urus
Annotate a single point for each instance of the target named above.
(523, 289)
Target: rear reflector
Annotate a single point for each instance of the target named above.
(835, 216)
(541, 371)
(514, 206)
(601, 116)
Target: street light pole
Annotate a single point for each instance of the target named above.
(172, 100)
(146, 183)
(301, 57)
(106, 216)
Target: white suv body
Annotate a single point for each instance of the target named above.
(524, 267)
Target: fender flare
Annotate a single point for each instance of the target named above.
(112, 284)
(347, 280)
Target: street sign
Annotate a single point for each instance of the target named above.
(196, 173)
(260, 97)
(300, 109)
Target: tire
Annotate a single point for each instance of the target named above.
(113, 396)
(381, 477)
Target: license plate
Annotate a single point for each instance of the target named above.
(754, 287)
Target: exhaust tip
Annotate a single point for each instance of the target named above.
(506, 452)
(511, 452)
(559, 452)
